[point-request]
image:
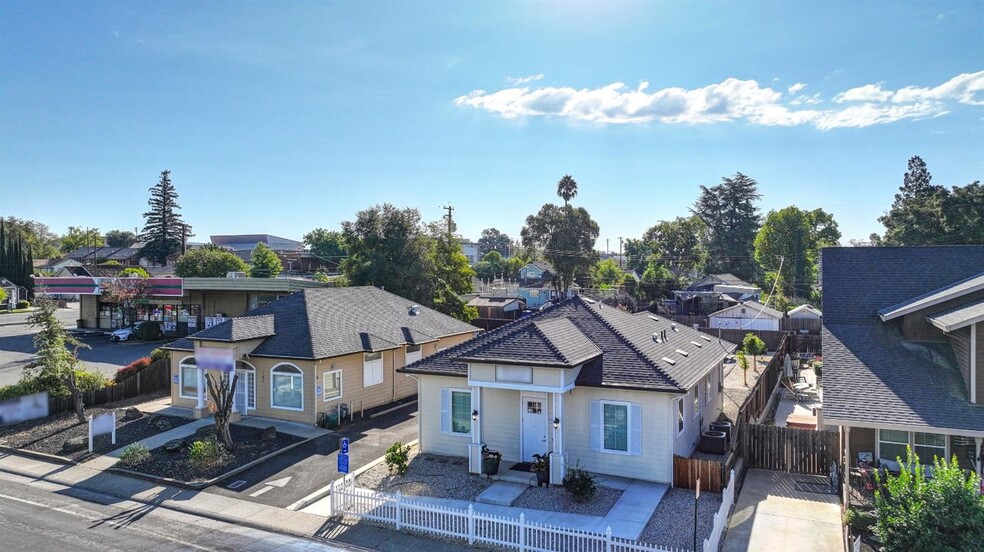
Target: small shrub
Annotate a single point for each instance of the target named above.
(137, 271)
(205, 454)
(87, 380)
(580, 483)
(818, 369)
(860, 521)
(398, 458)
(134, 454)
(110, 263)
(160, 354)
(23, 304)
(148, 331)
(131, 369)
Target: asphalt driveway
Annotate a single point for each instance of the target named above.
(288, 478)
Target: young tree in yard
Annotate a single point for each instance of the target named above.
(221, 391)
(326, 244)
(943, 513)
(753, 345)
(494, 240)
(607, 274)
(792, 238)
(208, 262)
(127, 293)
(163, 231)
(732, 220)
(265, 263)
(52, 359)
(743, 365)
(120, 238)
(452, 277)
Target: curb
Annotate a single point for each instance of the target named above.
(208, 483)
(39, 455)
(326, 490)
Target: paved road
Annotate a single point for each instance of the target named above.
(17, 346)
(61, 519)
(313, 465)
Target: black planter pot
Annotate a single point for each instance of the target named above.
(490, 466)
(543, 478)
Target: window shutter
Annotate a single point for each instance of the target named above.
(445, 411)
(635, 429)
(595, 438)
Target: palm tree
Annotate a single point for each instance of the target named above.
(567, 188)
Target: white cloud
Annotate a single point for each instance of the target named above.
(730, 100)
(524, 80)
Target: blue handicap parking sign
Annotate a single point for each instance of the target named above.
(344, 445)
(343, 463)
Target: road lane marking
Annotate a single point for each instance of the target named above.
(281, 483)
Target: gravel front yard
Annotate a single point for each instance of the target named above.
(672, 524)
(249, 447)
(429, 475)
(556, 499)
(49, 435)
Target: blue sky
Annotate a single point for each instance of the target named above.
(279, 117)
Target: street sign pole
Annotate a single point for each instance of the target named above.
(696, 498)
(343, 456)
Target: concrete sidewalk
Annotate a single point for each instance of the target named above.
(221, 508)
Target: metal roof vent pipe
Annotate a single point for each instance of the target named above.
(414, 310)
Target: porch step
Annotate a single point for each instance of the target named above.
(501, 493)
(514, 476)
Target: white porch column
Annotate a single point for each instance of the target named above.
(846, 432)
(980, 469)
(557, 467)
(232, 375)
(475, 448)
(201, 389)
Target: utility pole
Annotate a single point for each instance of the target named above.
(620, 251)
(448, 208)
(607, 250)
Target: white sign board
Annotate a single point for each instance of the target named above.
(101, 425)
(21, 409)
(209, 358)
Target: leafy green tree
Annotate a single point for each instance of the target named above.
(127, 293)
(753, 345)
(637, 254)
(327, 244)
(743, 365)
(452, 278)
(388, 248)
(943, 513)
(655, 283)
(963, 215)
(792, 238)
(491, 266)
(37, 237)
(679, 244)
(265, 263)
(136, 271)
(494, 240)
(52, 359)
(729, 212)
(120, 238)
(163, 231)
(915, 217)
(607, 274)
(3, 295)
(209, 261)
(567, 189)
(77, 238)
(514, 264)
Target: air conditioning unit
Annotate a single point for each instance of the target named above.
(235, 275)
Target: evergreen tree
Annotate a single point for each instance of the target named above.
(916, 214)
(52, 359)
(265, 263)
(4, 259)
(164, 230)
(452, 278)
(732, 220)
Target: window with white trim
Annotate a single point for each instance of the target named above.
(679, 415)
(332, 388)
(892, 443)
(287, 387)
(188, 370)
(707, 389)
(413, 353)
(372, 369)
(928, 445)
(615, 428)
(456, 411)
(696, 401)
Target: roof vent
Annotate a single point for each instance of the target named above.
(588, 300)
(669, 361)
(656, 318)
(414, 310)
(682, 352)
(657, 337)
(673, 327)
(705, 338)
(697, 344)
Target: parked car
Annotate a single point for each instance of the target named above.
(125, 333)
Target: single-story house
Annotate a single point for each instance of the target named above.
(714, 292)
(903, 348)
(498, 307)
(317, 352)
(750, 315)
(590, 384)
(805, 312)
(536, 271)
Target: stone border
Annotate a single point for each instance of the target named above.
(207, 483)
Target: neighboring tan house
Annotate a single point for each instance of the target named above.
(903, 350)
(749, 315)
(319, 351)
(618, 394)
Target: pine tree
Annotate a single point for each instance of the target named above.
(164, 230)
(732, 220)
(4, 266)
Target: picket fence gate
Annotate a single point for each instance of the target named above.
(477, 527)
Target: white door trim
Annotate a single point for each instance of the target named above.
(525, 455)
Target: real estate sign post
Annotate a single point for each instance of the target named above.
(101, 425)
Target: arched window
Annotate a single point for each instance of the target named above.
(188, 370)
(287, 387)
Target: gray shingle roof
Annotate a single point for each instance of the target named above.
(871, 374)
(630, 356)
(753, 306)
(959, 317)
(241, 328)
(935, 297)
(326, 322)
(551, 342)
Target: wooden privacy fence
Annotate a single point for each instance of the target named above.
(756, 401)
(686, 472)
(789, 450)
(155, 377)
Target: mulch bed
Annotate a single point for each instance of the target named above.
(249, 447)
(48, 435)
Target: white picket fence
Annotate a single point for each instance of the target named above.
(477, 527)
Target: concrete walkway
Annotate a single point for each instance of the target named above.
(776, 512)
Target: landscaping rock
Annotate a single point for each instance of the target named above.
(132, 413)
(174, 445)
(269, 433)
(162, 425)
(75, 443)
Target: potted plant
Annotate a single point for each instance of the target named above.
(490, 461)
(541, 466)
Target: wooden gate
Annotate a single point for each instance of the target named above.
(686, 472)
(789, 450)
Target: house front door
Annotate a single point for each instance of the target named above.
(534, 422)
(245, 391)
